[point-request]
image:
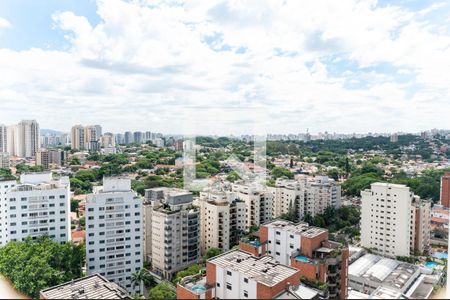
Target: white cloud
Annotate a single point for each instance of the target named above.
(279, 66)
(4, 24)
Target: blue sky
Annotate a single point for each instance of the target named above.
(238, 66)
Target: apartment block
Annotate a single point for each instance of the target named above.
(172, 230)
(239, 275)
(307, 249)
(222, 220)
(258, 204)
(445, 190)
(4, 160)
(288, 195)
(77, 139)
(36, 206)
(50, 158)
(114, 232)
(305, 195)
(3, 138)
(394, 221)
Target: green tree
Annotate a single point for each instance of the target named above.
(142, 278)
(211, 252)
(162, 291)
(278, 172)
(35, 265)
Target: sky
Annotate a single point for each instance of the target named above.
(226, 67)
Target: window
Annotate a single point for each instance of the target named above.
(229, 273)
(246, 280)
(218, 284)
(229, 286)
(245, 294)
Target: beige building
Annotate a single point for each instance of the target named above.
(4, 160)
(50, 158)
(288, 195)
(305, 195)
(172, 240)
(77, 137)
(222, 220)
(258, 203)
(394, 221)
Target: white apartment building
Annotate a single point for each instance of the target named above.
(222, 220)
(394, 222)
(37, 206)
(114, 232)
(258, 204)
(29, 138)
(172, 230)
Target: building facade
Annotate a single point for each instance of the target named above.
(114, 232)
(3, 138)
(36, 206)
(173, 236)
(222, 220)
(394, 222)
(258, 203)
(445, 190)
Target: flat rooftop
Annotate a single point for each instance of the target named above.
(296, 228)
(260, 269)
(385, 271)
(89, 287)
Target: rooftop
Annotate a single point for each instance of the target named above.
(89, 287)
(260, 269)
(299, 228)
(389, 272)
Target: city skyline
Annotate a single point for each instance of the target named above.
(225, 67)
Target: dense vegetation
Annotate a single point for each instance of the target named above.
(343, 218)
(162, 291)
(36, 265)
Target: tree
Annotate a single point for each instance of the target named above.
(143, 278)
(278, 172)
(211, 252)
(162, 291)
(35, 265)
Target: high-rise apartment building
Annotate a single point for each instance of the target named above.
(27, 138)
(305, 195)
(321, 192)
(37, 206)
(138, 137)
(12, 140)
(77, 137)
(172, 239)
(394, 222)
(3, 138)
(4, 160)
(128, 138)
(258, 204)
(288, 197)
(114, 232)
(222, 220)
(108, 140)
(445, 190)
(92, 136)
(49, 158)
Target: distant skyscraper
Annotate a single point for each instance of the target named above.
(77, 137)
(138, 137)
(108, 140)
(28, 139)
(92, 136)
(128, 137)
(445, 190)
(3, 138)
